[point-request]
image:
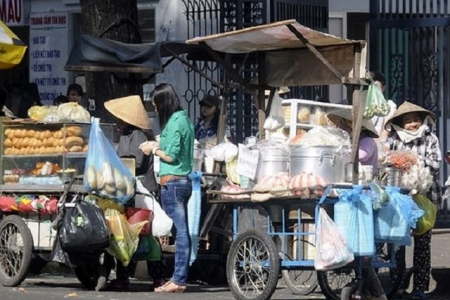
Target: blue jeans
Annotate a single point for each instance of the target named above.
(174, 198)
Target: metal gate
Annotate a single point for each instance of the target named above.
(212, 16)
(409, 43)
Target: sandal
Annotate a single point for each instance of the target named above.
(171, 287)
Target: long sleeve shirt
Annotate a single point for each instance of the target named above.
(428, 149)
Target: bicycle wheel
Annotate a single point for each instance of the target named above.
(16, 247)
(332, 282)
(390, 267)
(253, 266)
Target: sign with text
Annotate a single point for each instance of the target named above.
(49, 50)
(247, 162)
(12, 12)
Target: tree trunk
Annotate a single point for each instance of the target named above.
(115, 20)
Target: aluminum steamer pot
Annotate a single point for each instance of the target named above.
(326, 161)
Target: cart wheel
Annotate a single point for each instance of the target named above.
(16, 247)
(253, 266)
(349, 292)
(300, 282)
(93, 275)
(393, 270)
(332, 282)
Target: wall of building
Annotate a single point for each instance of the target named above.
(348, 6)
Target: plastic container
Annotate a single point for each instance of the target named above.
(136, 215)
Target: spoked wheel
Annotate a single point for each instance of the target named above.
(94, 274)
(349, 292)
(332, 282)
(16, 247)
(390, 267)
(300, 282)
(253, 266)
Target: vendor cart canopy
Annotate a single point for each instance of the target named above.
(289, 59)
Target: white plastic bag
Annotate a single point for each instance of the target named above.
(276, 116)
(162, 223)
(331, 247)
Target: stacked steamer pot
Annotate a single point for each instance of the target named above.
(273, 159)
(328, 162)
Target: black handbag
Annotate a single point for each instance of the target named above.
(83, 228)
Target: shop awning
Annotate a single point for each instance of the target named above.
(12, 49)
(95, 54)
(289, 59)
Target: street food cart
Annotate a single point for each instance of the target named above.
(290, 54)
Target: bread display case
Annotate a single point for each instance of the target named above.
(305, 114)
(39, 155)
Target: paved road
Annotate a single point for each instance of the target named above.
(52, 287)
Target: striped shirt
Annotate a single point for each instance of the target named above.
(429, 151)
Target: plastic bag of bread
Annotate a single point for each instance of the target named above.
(74, 112)
(104, 172)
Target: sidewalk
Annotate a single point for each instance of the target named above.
(440, 261)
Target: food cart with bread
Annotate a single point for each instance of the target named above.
(42, 166)
(282, 187)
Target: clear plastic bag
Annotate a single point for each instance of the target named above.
(104, 172)
(331, 247)
(376, 104)
(124, 237)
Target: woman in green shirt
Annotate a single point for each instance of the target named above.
(175, 150)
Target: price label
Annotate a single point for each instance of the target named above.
(247, 162)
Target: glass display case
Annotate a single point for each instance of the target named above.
(38, 154)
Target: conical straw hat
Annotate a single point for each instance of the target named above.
(336, 115)
(130, 110)
(408, 107)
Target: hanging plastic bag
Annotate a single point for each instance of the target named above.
(276, 116)
(161, 222)
(331, 247)
(194, 211)
(393, 222)
(148, 249)
(83, 228)
(426, 222)
(376, 104)
(104, 172)
(124, 237)
(353, 215)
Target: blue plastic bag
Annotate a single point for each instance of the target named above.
(104, 172)
(194, 211)
(353, 214)
(393, 221)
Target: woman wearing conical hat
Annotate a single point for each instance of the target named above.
(135, 128)
(410, 129)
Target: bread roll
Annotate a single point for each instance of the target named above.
(58, 134)
(73, 130)
(7, 151)
(48, 134)
(85, 148)
(73, 141)
(8, 142)
(75, 148)
(30, 133)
